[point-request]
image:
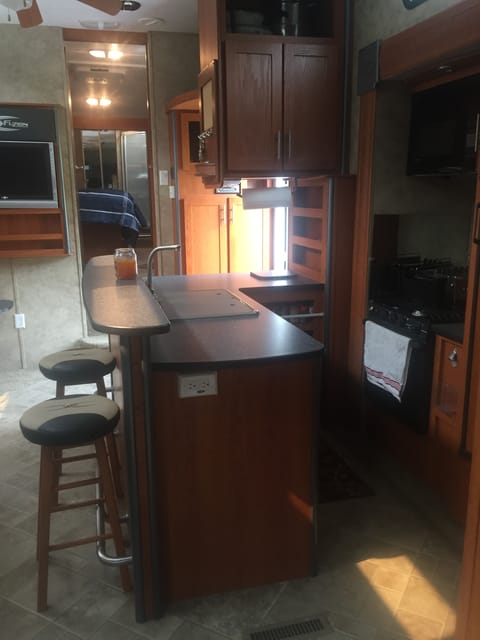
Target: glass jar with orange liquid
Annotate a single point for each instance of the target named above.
(125, 261)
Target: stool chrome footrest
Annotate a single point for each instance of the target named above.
(102, 555)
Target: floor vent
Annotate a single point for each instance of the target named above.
(308, 629)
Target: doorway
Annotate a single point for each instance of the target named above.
(109, 103)
(118, 160)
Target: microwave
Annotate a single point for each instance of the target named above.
(444, 129)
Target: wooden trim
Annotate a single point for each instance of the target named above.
(339, 295)
(110, 122)
(468, 613)
(189, 101)
(432, 41)
(361, 243)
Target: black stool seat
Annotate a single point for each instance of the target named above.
(77, 366)
(70, 421)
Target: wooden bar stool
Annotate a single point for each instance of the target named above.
(78, 367)
(75, 421)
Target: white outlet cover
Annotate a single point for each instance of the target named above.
(197, 385)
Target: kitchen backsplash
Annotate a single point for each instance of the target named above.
(435, 236)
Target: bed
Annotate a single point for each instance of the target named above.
(109, 218)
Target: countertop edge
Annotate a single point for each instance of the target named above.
(120, 307)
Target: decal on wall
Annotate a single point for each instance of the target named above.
(411, 4)
(28, 123)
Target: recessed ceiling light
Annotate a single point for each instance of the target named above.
(95, 102)
(97, 53)
(148, 22)
(114, 54)
(90, 24)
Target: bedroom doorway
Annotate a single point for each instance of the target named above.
(109, 106)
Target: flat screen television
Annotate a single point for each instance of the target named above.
(27, 175)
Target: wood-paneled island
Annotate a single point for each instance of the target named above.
(221, 487)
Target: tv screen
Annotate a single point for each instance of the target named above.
(27, 175)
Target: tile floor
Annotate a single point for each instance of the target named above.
(388, 565)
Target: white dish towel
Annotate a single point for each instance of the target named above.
(386, 357)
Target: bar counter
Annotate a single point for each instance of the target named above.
(221, 487)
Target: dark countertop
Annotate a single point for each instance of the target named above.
(120, 307)
(223, 341)
(452, 331)
(128, 308)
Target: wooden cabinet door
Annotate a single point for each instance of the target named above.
(311, 108)
(448, 392)
(205, 235)
(248, 238)
(253, 88)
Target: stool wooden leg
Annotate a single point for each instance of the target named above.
(106, 485)
(47, 479)
(114, 464)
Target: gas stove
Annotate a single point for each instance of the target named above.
(410, 318)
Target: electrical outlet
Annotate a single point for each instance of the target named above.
(163, 175)
(19, 319)
(199, 384)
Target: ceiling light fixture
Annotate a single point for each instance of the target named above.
(148, 22)
(112, 54)
(130, 5)
(108, 26)
(97, 53)
(96, 102)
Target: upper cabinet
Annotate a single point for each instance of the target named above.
(278, 87)
(280, 107)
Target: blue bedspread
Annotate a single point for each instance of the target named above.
(111, 206)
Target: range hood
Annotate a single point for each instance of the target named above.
(266, 198)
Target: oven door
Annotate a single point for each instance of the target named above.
(414, 407)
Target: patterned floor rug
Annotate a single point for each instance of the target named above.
(337, 481)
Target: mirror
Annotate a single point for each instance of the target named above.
(118, 160)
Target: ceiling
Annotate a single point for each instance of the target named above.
(178, 16)
(124, 82)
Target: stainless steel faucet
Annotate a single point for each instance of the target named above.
(151, 255)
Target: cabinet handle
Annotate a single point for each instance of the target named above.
(289, 135)
(476, 225)
(453, 357)
(223, 214)
(230, 216)
(278, 136)
(477, 122)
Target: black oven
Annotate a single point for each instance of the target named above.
(414, 321)
(413, 408)
(410, 296)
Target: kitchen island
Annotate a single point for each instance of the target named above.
(221, 483)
